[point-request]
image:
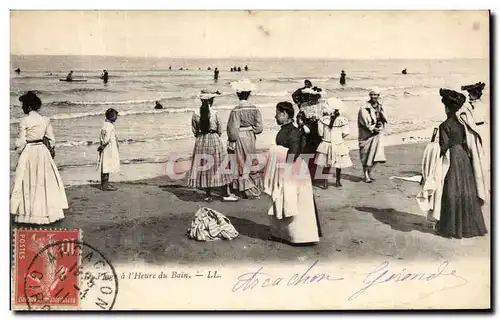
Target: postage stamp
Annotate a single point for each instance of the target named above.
(55, 270)
(41, 276)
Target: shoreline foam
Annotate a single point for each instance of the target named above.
(74, 176)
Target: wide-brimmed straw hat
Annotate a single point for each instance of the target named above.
(243, 86)
(336, 104)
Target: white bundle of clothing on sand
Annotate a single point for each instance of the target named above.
(210, 225)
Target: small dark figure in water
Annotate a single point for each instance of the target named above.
(246, 68)
(235, 69)
(404, 71)
(18, 71)
(239, 69)
(209, 69)
(216, 74)
(69, 77)
(105, 76)
(181, 68)
(342, 77)
(158, 105)
(170, 68)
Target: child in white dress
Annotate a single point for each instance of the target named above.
(109, 157)
(333, 151)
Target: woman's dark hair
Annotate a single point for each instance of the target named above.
(287, 107)
(333, 117)
(243, 95)
(110, 113)
(205, 115)
(30, 101)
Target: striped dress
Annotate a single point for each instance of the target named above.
(245, 122)
(209, 156)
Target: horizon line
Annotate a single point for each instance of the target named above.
(235, 57)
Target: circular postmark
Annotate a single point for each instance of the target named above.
(70, 274)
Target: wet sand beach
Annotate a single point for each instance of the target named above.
(146, 221)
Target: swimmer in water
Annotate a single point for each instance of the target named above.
(69, 77)
(158, 105)
(104, 76)
(18, 71)
(342, 78)
(216, 74)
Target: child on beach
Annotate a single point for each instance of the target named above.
(333, 151)
(109, 158)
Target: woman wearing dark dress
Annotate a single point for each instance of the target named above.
(293, 215)
(461, 215)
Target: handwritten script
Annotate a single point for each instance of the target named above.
(382, 274)
(261, 279)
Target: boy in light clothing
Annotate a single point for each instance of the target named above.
(109, 157)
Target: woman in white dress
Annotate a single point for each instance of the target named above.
(38, 196)
(293, 214)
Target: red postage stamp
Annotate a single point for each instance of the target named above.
(43, 273)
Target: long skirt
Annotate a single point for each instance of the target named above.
(312, 141)
(371, 151)
(209, 163)
(38, 196)
(333, 156)
(245, 180)
(461, 215)
(303, 227)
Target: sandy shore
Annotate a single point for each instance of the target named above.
(146, 221)
(139, 171)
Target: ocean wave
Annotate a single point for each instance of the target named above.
(84, 90)
(86, 143)
(272, 94)
(106, 103)
(124, 162)
(36, 77)
(76, 115)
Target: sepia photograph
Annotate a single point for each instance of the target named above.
(250, 160)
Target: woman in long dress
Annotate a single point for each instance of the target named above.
(244, 124)
(308, 100)
(209, 154)
(371, 122)
(333, 151)
(38, 196)
(293, 215)
(461, 215)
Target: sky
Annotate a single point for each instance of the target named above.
(282, 34)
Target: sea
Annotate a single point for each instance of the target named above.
(149, 138)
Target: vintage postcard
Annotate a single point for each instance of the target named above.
(250, 160)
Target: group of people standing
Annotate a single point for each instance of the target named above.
(238, 69)
(311, 138)
(245, 122)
